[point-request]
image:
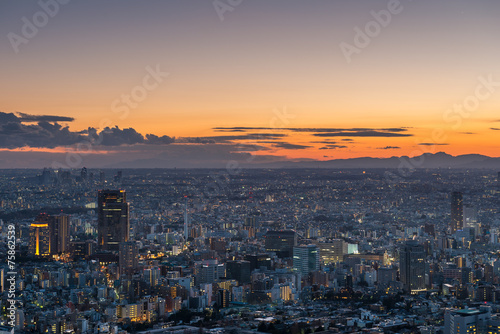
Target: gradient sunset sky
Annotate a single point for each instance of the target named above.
(434, 68)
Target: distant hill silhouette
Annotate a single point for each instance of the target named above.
(426, 160)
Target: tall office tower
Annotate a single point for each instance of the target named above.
(84, 174)
(152, 276)
(186, 220)
(2, 280)
(333, 252)
(59, 233)
(119, 176)
(250, 221)
(470, 219)
(281, 242)
(250, 225)
(457, 211)
(412, 267)
(305, 259)
(223, 298)
(128, 257)
(39, 244)
(239, 270)
(113, 219)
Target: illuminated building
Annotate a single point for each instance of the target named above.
(470, 320)
(305, 259)
(59, 233)
(457, 211)
(40, 244)
(333, 252)
(412, 267)
(113, 219)
(128, 257)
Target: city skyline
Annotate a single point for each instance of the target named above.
(191, 84)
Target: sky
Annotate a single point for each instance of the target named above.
(202, 83)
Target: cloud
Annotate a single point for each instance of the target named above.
(8, 118)
(289, 146)
(163, 140)
(389, 148)
(495, 129)
(433, 144)
(243, 128)
(116, 137)
(42, 135)
(362, 133)
(40, 118)
(48, 133)
(324, 142)
(230, 139)
(332, 147)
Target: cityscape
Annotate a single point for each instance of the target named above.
(271, 251)
(249, 167)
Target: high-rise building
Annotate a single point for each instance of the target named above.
(152, 276)
(40, 244)
(49, 235)
(82, 249)
(281, 242)
(113, 219)
(84, 174)
(2, 280)
(258, 261)
(238, 270)
(412, 267)
(250, 222)
(386, 275)
(333, 251)
(128, 258)
(59, 233)
(223, 298)
(305, 259)
(457, 211)
(250, 225)
(186, 221)
(208, 271)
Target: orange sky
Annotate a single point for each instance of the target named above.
(265, 57)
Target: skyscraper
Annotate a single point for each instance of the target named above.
(49, 235)
(113, 219)
(305, 259)
(59, 233)
(128, 257)
(39, 244)
(239, 270)
(186, 220)
(281, 242)
(333, 252)
(457, 211)
(412, 267)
